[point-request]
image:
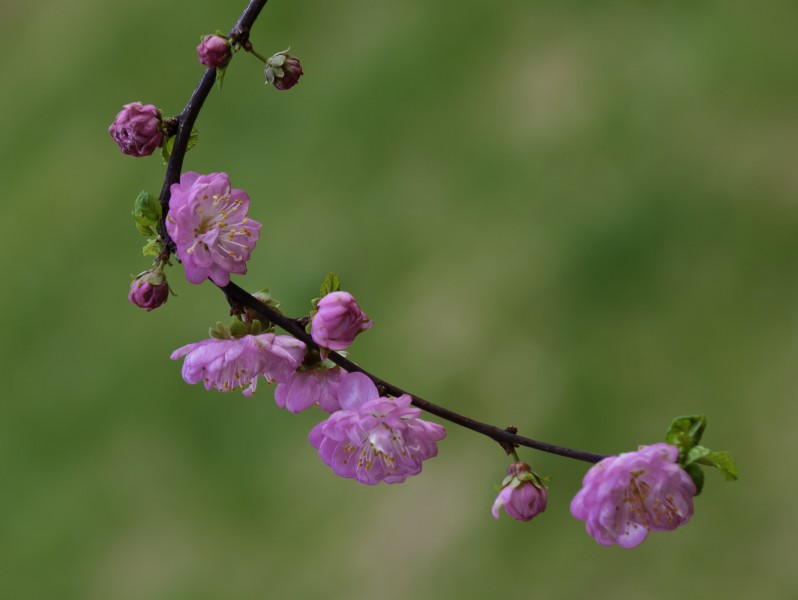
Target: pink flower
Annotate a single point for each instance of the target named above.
(208, 222)
(307, 387)
(149, 289)
(137, 129)
(338, 320)
(214, 51)
(625, 497)
(238, 362)
(523, 496)
(283, 70)
(374, 439)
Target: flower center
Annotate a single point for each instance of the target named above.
(641, 510)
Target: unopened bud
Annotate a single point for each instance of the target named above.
(283, 70)
(149, 289)
(137, 129)
(214, 51)
(523, 495)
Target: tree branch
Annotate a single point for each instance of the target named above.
(237, 296)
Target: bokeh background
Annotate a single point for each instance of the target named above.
(578, 218)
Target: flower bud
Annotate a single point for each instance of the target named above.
(283, 70)
(338, 320)
(149, 289)
(214, 51)
(137, 129)
(523, 496)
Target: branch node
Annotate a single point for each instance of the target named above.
(509, 447)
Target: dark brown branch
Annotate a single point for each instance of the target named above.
(237, 296)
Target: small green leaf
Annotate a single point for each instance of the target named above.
(147, 214)
(220, 71)
(266, 297)
(255, 327)
(696, 473)
(166, 148)
(686, 432)
(724, 462)
(145, 230)
(695, 453)
(153, 247)
(332, 283)
(168, 144)
(193, 138)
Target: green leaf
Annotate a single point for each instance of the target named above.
(266, 297)
(685, 432)
(724, 462)
(153, 247)
(332, 283)
(696, 473)
(220, 71)
(193, 138)
(145, 230)
(695, 453)
(168, 144)
(166, 148)
(147, 213)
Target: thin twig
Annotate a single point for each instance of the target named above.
(236, 295)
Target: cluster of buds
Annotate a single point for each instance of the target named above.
(139, 129)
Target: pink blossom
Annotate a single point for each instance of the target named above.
(373, 439)
(338, 320)
(625, 497)
(238, 362)
(208, 222)
(137, 129)
(214, 51)
(307, 387)
(149, 289)
(523, 496)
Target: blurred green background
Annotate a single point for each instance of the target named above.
(577, 218)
